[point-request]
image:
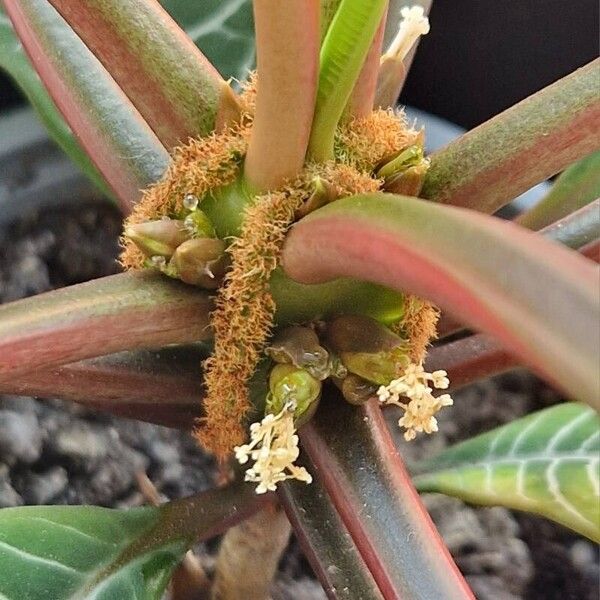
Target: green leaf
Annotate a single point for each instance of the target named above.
(14, 61)
(80, 552)
(222, 29)
(576, 187)
(546, 463)
(85, 552)
(343, 53)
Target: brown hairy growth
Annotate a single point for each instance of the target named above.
(363, 143)
(418, 326)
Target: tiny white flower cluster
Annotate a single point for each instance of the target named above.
(421, 405)
(413, 25)
(274, 448)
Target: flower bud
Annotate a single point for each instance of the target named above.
(300, 347)
(367, 348)
(158, 238)
(288, 383)
(323, 193)
(200, 262)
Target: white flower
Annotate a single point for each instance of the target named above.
(413, 25)
(421, 405)
(273, 447)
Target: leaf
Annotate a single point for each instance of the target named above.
(161, 387)
(539, 299)
(175, 88)
(85, 552)
(222, 29)
(577, 186)
(546, 463)
(343, 53)
(119, 141)
(355, 461)
(121, 312)
(578, 229)
(526, 144)
(14, 61)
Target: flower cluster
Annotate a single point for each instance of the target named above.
(416, 385)
(274, 448)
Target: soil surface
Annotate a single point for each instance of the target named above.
(53, 452)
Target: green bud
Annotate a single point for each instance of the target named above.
(409, 157)
(356, 390)
(158, 238)
(300, 347)
(367, 348)
(199, 225)
(323, 193)
(200, 262)
(288, 383)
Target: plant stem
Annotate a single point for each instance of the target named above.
(249, 555)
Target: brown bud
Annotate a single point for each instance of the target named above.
(158, 238)
(300, 347)
(200, 262)
(356, 390)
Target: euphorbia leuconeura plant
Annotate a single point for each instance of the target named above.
(290, 211)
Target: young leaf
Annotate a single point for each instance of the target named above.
(526, 144)
(547, 463)
(343, 53)
(122, 312)
(117, 139)
(175, 88)
(77, 552)
(577, 186)
(488, 273)
(287, 38)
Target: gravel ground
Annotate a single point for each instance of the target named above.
(57, 453)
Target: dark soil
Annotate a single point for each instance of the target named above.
(57, 453)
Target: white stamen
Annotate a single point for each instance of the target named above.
(421, 407)
(414, 24)
(273, 447)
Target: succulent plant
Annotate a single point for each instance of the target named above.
(288, 248)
